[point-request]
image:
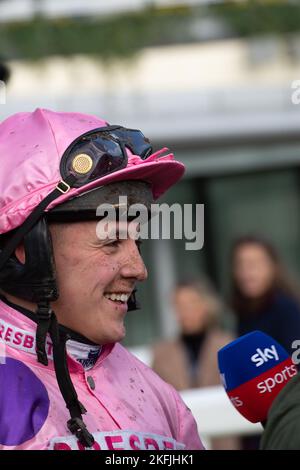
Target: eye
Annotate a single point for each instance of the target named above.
(113, 243)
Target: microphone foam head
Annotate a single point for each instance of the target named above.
(254, 368)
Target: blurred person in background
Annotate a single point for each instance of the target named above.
(190, 360)
(263, 297)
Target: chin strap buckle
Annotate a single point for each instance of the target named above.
(79, 429)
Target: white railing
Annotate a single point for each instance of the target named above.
(212, 409)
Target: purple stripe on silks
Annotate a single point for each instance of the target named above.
(24, 403)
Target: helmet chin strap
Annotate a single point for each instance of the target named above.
(76, 424)
(47, 322)
(133, 303)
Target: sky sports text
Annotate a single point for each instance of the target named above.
(161, 222)
(267, 385)
(267, 354)
(262, 356)
(284, 375)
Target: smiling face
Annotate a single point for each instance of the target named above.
(95, 279)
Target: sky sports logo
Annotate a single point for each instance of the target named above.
(268, 382)
(265, 355)
(279, 378)
(254, 397)
(262, 356)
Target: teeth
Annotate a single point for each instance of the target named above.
(119, 297)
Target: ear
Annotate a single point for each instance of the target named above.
(20, 253)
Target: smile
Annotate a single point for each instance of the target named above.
(117, 297)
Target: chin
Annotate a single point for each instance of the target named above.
(121, 335)
(115, 337)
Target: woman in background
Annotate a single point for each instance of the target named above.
(263, 298)
(190, 360)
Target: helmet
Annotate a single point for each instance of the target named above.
(61, 166)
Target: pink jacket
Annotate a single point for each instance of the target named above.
(128, 405)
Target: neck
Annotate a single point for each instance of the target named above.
(22, 303)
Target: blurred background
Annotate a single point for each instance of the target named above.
(212, 80)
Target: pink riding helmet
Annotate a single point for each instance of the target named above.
(31, 147)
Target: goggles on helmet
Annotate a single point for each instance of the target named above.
(100, 152)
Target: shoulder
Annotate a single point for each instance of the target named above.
(166, 347)
(282, 431)
(287, 300)
(128, 364)
(287, 305)
(160, 398)
(217, 338)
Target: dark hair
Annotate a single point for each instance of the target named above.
(4, 72)
(282, 281)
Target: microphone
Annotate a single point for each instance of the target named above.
(254, 368)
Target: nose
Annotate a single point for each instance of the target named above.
(134, 266)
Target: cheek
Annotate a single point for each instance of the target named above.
(67, 262)
(267, 276)
(85, 271)
(102, 271)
